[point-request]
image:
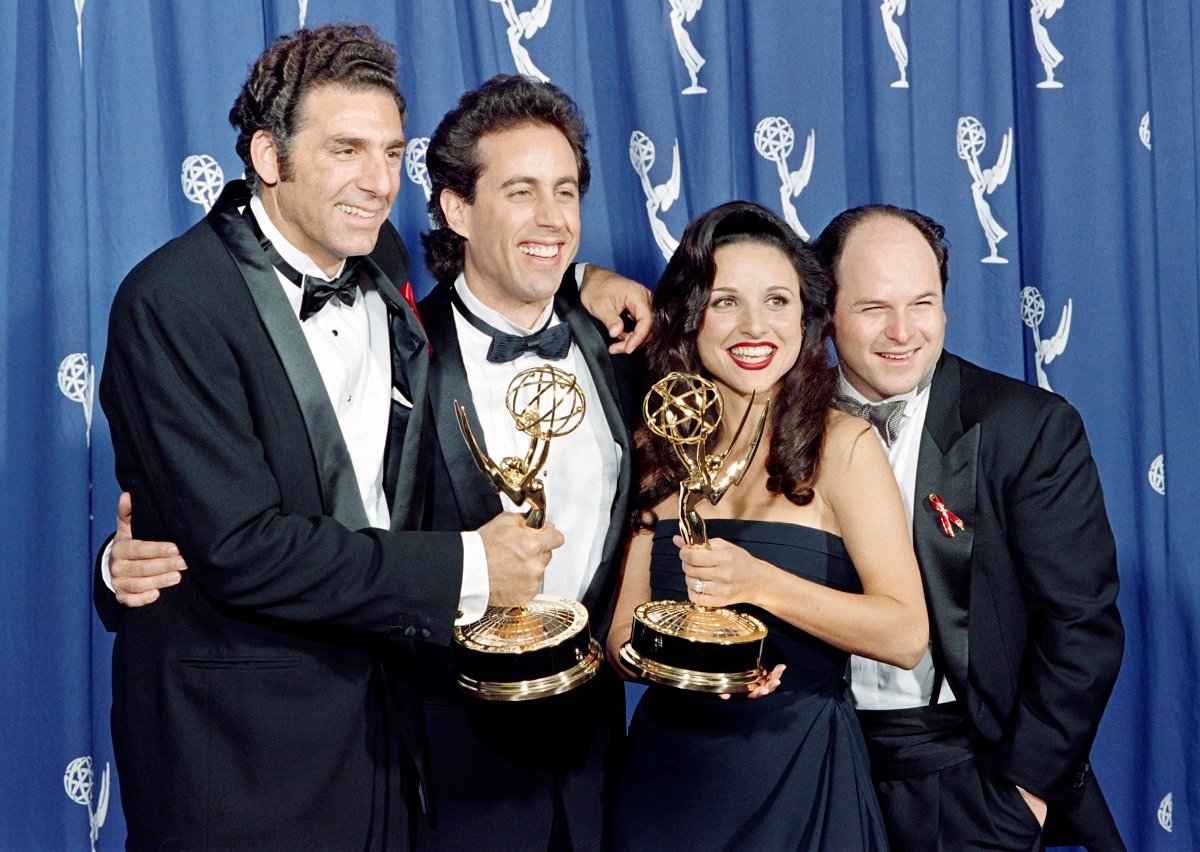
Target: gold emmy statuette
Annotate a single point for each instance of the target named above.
(678, 643)
(544, 647)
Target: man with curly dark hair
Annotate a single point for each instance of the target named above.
(509, 168)
(265, 382)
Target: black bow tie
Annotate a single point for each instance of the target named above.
(317, 291)
(551, 342)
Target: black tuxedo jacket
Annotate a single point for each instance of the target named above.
(1022, 603)
(495, 765)
(250, 706)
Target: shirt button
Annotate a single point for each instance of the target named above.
(335, 332)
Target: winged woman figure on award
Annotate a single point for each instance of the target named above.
(544, 647)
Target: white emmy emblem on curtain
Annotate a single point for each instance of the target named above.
(890, 10)
(303, 11)
(1039, 10)
(1164, 813)
(1144, 130)
(774, 139)
(1033, 311)
(681, 11)
(202, 180)
(658, 198)
(78, 782)
(415, 168)
(79, 27)
(524, 25)
(77, 381)
(1157, 475)
(971, 140)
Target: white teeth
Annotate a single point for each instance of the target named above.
(538, 250)
(751, 351)
(894, 357)
(356, 211)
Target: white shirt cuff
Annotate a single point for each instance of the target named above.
(106, 566)
(473, 596)
(580, 268)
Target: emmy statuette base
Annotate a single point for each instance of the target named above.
(525, 690)
(517, 654)
(694, 681)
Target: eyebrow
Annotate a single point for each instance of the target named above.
(869, 302)
(360, 142)
(515, 179)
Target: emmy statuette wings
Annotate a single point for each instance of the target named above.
(544, 647)
(678, 643)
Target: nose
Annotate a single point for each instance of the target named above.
(753, 319)
(899, 327)
(549, 213)
(378, 175)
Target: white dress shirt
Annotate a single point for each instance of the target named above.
(582, 468)
(876, 685)
(352, 347)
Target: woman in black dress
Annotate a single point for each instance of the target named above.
(813, 541)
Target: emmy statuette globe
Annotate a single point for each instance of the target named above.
(678, 643)
(544, 647)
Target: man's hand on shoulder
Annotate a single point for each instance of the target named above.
(517, 556)
(609, 297)
(139, 569)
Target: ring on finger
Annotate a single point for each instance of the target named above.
(698, 586)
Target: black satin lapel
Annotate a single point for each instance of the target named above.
(946, 560)
(477, 502)
(601, 591)
(405, 474)
(339, 487)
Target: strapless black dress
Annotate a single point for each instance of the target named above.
(787, 771)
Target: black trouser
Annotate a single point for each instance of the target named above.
(937, 784)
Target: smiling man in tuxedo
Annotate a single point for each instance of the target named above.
(509, 168)
(266, 384)
(986, 741)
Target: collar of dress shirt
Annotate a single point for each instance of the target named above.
(847, 389)
(493, 317)
(301, 262)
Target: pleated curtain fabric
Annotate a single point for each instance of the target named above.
(1055, 140)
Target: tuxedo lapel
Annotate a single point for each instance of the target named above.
(339, 487)
(477, 502)
(594, 349)
(404, 479)
(947, 466)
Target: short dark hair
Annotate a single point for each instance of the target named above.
(801, 407)
(832, 241)
(504, 102)
(350, 55)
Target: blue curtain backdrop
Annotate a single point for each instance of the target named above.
(1056, 139)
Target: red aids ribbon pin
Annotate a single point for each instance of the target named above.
(949, 519)
(407, 292)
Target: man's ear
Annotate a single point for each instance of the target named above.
(264, 154)
(455, 210)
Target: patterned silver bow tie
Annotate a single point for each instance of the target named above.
(884, 416)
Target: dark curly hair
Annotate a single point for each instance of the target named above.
(801, 406)
(350, 55)
(452, 158)
(833, 239)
